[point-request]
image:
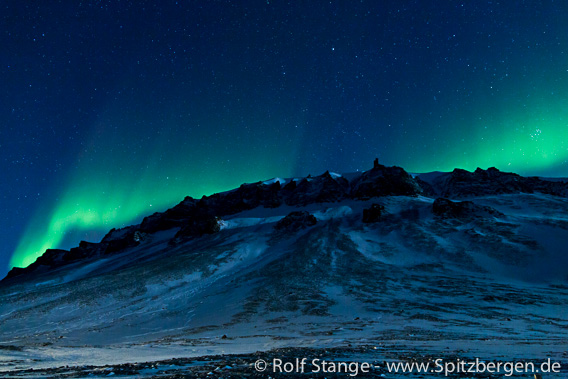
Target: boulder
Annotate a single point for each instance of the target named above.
(373, 214)
(296, 221)
(446, 208)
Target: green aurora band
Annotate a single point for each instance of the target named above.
(115, 188)
(531, 139)
(112, 188)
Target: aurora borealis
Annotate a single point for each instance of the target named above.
(114, 110)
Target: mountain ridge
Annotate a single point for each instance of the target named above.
(197, 217)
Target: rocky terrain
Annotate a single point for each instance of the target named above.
(373, 266)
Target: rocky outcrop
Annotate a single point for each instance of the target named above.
(427, 188)
(384, 181)
(120, 239)
(159, 221)
(52, 258)
(121, 244)
(115, 240)
(295, 221)
(198, 226)
(16, 271)
(462, 184)
(247, 196)
(373, 214)
(320, 189)
(462, 209)
(172, 218)
(84, 250)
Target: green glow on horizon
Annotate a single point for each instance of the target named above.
(528, 142)
(86, 210)
(115, 188)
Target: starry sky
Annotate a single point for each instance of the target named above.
(112, 110)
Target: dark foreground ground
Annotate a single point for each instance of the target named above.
(262, 365)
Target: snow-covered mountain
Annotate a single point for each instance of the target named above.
(383, 263)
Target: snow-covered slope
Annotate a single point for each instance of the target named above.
(486, 279)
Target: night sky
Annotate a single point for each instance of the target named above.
(112, 110)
